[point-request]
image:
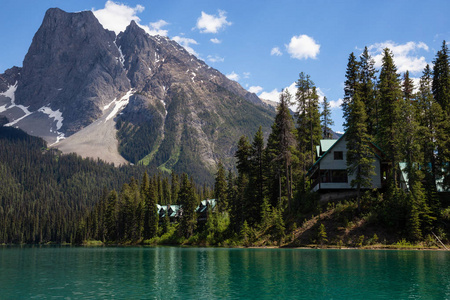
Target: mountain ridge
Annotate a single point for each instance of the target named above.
(179, 114)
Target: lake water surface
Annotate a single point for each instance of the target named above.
(211, 273)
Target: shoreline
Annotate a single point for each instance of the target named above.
(311, 246)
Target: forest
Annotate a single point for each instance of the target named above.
(267, 198)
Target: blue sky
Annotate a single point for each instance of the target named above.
(263, 45)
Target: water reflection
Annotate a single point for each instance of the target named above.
(208, 273)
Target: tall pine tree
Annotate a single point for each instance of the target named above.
(367, 91)
(390, 97)
(360, 158)
(351, 81)
(188, 202)
(220, 188)
(151, 218)
(441, 93)
(430, 119)
(308, 121)
(279, 152)
(327, 122)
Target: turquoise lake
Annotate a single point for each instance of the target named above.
(218, 273)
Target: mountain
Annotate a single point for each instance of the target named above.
(127, 98)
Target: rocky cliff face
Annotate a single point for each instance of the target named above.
(72, 65)
(175, 111)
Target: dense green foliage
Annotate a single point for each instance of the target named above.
(63, 198)
(43, 193)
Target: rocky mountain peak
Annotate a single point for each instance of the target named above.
(72, 65)
(141, 95)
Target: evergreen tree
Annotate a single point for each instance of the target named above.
(237, 202)
(256, 175)
(418, 210)
(351, 81)
(308, 119)
(441, 93)
(111, 216)
(407, 88)
(145, 184)
(151, 218)
(220, 188)
(242, 155)
(279, 153)
(430, 118)
(322, 235)
(166, 191)
(278, 230)
(326, 119)
(128, 218)
(265, 214)
(441, 78)
(159, 190)
(360, 158)
(175, 187)
(231, 186)
(390, 97)
(241, 207)
(188, 202)
(367, 90)
(359, 91)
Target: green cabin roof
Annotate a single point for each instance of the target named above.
(326, 144)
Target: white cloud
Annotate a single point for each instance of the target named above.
(276, 51)
(117, 16)
(274, 95)
(186, 42)
(155, 28)
(215, 58)
(215, 41)
(255, 89)
(303, 47)
(212, 23)
(335, 104)
(233, 76)
(247, 74)
(405, 55)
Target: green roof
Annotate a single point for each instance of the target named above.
(326, 144)
(329, 144)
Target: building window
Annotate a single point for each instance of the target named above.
(338, 155)
(325, 176)
(339, 176)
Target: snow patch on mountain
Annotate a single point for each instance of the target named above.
(57, 117)
(119, 105)
(10, 93)
(109, 104)
(54, 114)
